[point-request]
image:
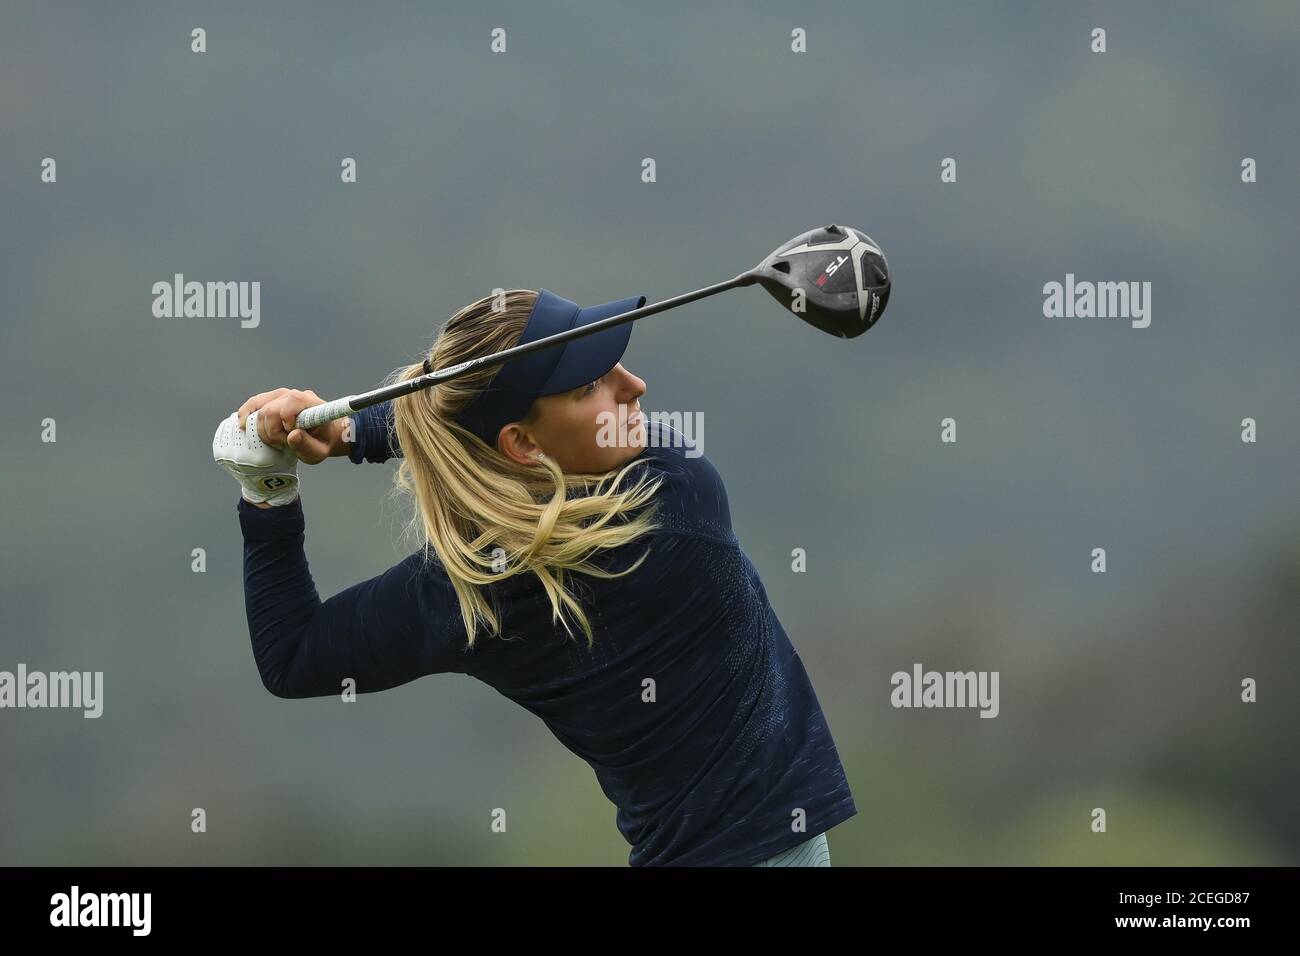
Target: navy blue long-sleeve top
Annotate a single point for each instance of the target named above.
(692, 707)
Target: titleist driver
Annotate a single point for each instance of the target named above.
(834, 278)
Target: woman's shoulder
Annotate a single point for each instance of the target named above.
(692, 498)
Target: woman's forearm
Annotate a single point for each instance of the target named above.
(378, 634)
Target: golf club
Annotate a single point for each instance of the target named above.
(834, 278)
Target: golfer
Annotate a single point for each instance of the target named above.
(574, 557)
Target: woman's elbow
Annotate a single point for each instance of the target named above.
(277, 686)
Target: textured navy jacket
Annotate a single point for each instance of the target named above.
(692, 708)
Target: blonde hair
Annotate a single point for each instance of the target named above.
(471, 499)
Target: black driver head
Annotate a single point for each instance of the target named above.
(841, 272)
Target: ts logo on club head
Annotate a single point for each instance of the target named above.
(830, 270)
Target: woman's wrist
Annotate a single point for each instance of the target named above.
(267, 504)
(342, 440)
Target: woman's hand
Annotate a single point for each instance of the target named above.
(267, 473)
(278, 411)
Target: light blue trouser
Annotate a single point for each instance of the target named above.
(816, 852)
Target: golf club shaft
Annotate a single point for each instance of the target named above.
(342, 407)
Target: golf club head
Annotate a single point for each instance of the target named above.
(841, 272)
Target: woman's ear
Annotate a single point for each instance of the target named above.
(516, 445)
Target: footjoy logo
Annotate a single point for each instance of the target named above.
(208, 300)
(102, 909)
(946, 689)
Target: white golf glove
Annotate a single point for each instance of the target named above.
(268, 474)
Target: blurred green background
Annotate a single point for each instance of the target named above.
(523, 170)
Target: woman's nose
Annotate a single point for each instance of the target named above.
(632, 387)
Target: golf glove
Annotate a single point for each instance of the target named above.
(267, 473)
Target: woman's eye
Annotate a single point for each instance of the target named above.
(592, 387)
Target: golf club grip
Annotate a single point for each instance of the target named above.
(309, 418)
